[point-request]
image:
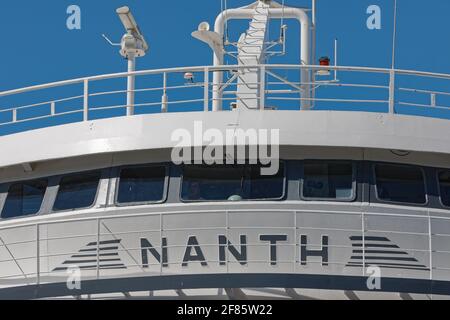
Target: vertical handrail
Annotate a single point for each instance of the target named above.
(392, 91)
(430, 245)
(363, 226)
(98, 248)
(296, 243)
(38, 255)
(161, 243)
(262, 88)
(86, 100)
(206, 90)
(227, 232)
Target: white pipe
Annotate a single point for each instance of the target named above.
(131, 85)
(335, 58)
(313, 49)
(314, 31)
(275, 13)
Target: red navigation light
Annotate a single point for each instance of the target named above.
(324, 61)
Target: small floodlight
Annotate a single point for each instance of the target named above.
(204, 26)
(189, 77)
(213, 39)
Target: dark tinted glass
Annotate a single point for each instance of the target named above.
(328, 180)
(403, 184)
(230, 182)
(444, 185)
(260, 186)
(24, 199)
(142, 184)
(77, 191)
(211, 183)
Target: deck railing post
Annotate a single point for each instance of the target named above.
(165, 98)
(98, 248)
(296, 244)
(392, 91)
(227, 245)
(433, 99)
(86, 100)
(14, 115)
(430, 246)
(38, 258)
(363, 227)
(206, 91)
(161, 235)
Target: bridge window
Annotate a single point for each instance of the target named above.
(231, 183)
(397, 183)
(77, 191)
(24, 198)
(444, 185)
(142, 185)
(332, 180)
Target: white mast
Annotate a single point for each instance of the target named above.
(133, 45)
(275, 11)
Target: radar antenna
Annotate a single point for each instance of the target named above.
(132, 45)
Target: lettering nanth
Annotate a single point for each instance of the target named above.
(194, 253)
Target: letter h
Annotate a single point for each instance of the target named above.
(305, 253)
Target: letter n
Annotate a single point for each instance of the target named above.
(224, 243)
(146, 247)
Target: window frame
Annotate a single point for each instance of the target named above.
(7, 186)
(425, 183)
(438, 172)
(283, 196)
(142, 203)
(354, 181)
(60, 178)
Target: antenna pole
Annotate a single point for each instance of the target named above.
(131, 84)
(313, 49)
(394, 36)
(133, 45)
(314, 12)
(335, 58)
(392, 73)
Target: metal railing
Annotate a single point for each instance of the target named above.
(166, 90)
(31, 268)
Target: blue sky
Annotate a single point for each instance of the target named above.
(38, 47)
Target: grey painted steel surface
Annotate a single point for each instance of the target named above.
(115, 243)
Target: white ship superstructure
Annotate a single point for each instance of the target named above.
(89, 190)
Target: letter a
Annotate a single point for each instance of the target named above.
(74, 20)
(374, 20)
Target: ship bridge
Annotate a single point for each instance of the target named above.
(89, 186)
